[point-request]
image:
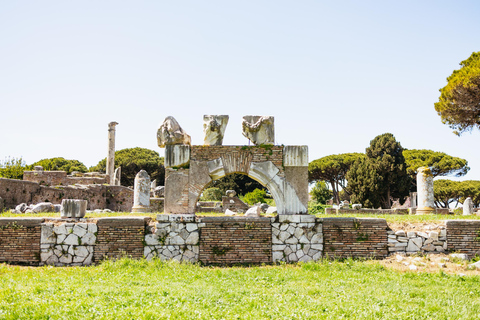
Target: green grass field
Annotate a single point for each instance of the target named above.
(129, 289)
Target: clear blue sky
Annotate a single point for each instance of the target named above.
(333, 73)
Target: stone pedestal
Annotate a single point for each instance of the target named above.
(73, 208)
(141, 194)
(111, 152)
(426, 204)
(468, 207)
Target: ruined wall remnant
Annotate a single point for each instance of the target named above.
(116, 198)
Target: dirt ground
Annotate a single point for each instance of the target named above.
(432, 263)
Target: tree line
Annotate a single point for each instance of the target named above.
(386, 171)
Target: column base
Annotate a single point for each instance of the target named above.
(140, 209)
(425, 210)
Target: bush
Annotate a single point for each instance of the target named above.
(132, 160)
(316, 208)
(61, 164)
(320, 192)
(12, 168)
(211, 194)
(256, 196)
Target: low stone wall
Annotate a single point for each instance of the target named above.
(68, 244)
(463, 236)
(417, 241)
(171, 238)
(351, 237)
(20, 240)
(380, 211)
(223, 240)
(296, 238)
(118, 237)
(230, 240)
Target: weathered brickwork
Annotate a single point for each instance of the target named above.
(20, 240)
(118, 237)
(56, 178)
(116, 198)
(463, 236)
(247, 153)
(235, 240)
(350, 237)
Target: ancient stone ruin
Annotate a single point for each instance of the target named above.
(283, 170)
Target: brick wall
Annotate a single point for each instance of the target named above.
(20, 240)
(350, 237)
(248, 153)
(235, 240)
(463, 236)
(120, 236)
(55, 178)
(116, 198)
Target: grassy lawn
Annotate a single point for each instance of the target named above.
(157, 290)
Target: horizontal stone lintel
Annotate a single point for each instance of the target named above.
(235, 219)
(123, 221)
(24, 222)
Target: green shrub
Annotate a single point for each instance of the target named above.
(320, 192)
(316, 208)
(211, 194)
(255, 196)
(12, 168)
(61, 164)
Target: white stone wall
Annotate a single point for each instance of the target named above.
(68, 244)
(171, 239)
(296, 238)
(417, 241)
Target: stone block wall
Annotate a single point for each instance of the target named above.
(351, 237)
(20, 240)
(296, 238)
(174, 239)
(418, 241)
(463, 236)
(120, 236)
(230, 240)
(68, 244)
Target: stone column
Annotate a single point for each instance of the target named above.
(413, 199)
(111, 152)
(141, 193)
(426, 203)
(468, 207)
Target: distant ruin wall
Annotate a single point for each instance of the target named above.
(60, 178)
(116, 198)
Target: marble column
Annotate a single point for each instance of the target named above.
(468, 207)
(111, 152)
(426, 201)
(141, 193)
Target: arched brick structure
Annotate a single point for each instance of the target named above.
(283, 170)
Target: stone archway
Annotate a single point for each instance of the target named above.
(283, 170)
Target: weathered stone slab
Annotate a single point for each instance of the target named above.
(259, 129)
(214, 129)
(177, 156)
(170, 133)
(295, 156)
(73, 208)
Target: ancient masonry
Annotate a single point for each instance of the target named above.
(283, 170)
(222, 240)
